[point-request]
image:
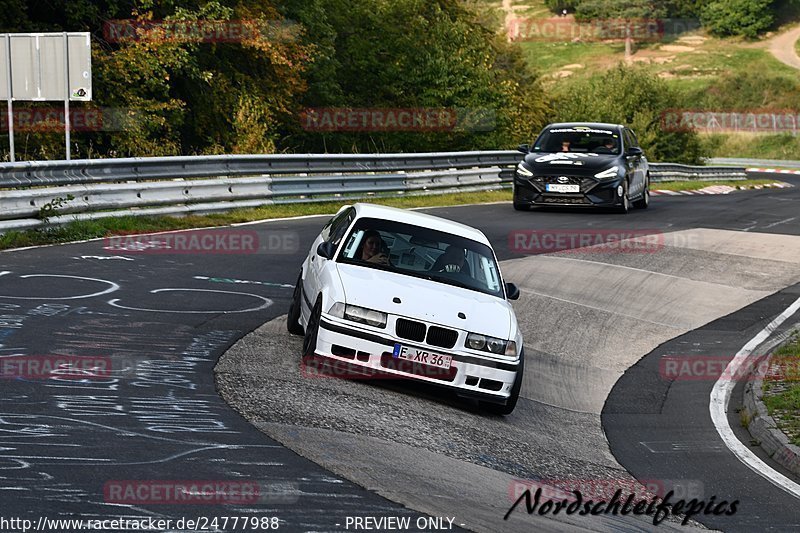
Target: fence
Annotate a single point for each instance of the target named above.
(202, 184)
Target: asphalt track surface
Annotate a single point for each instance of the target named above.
(164, 319)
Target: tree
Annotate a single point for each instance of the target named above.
(631, 96)
(630, 16)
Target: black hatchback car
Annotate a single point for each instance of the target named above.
(583, 165)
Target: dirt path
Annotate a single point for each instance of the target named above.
(782, 47)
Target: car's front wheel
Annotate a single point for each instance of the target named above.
(499, 409)
(625, 203)
(293, 318)
(312, 330)
(644, 201)
(520, 206)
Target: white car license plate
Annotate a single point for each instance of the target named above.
(425, 357)
(559, 187)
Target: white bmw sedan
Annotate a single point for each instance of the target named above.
(409, 295)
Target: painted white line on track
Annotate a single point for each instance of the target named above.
(721, 394)
(779, 222)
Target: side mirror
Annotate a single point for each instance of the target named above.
(634, 150)
(512, 291)
(524, 148)
(326, 250)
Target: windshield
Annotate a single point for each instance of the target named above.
(423, 253)
(598, 141)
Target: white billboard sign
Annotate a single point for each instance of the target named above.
(39, 64)
(45, 66)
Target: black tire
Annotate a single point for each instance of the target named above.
(625, 207)
(293, 318)
(644, 201)
(517, 205)
(511, 403)
(312, 330)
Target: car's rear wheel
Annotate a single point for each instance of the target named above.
(293, 318)
(499, 409)
(312, 330)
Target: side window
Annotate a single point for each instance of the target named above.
(626, 139)
(633, 142)
(337, 226)
(339, 229)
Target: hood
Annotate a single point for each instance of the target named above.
(426, 300)
(570, 162)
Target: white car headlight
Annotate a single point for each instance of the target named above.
(609, 173)
(365, 316)
(337, 310)
(490, 344)
(522, 171)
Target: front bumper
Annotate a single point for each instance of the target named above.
(369, 353)
(593, 192)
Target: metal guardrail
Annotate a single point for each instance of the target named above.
(203, 184)
(674, 172)
(763, 163)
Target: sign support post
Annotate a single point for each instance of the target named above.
(10, 105)
(66, 95)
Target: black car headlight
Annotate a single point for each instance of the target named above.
(361, 315)
(524, 171)
(493, 345)
(608, 174)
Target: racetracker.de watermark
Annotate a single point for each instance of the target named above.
(400, 119)
(37, 119)
(317, 366)
(200, 31)
(567, 29)
(731, 121)
(55, 367)
(205, 492)
(224, 241)
(544, 241)
(714, 368)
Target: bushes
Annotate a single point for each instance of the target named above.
(747, 18)
(558, 6)
(630, 96)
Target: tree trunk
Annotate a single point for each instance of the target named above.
(628, 45)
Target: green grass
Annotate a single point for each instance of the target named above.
(88, 229)
(753, 145)
(695, 185)
(551, 57)
(782, 391)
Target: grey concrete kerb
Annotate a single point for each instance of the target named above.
(763, 427)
